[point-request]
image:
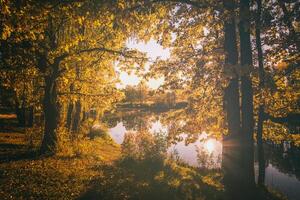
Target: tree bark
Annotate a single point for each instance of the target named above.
(246, 97)
(291, 121)
(231, 153)
(76, 120)
(260, 149)
(51, 113)
(231, 93)
(246, 62)
(69, 115)
(30, 116)
(20, 114)
(261, 110)
(84, 115)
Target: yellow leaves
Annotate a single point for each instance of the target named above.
(73, 43)
(281, 65)
(214, 180)
(4, 7)
(32, 35)
(6, 32)
(93, 42)
(41, 36)
(296, 139)
(81, 20)
(112, 17)
(174, 182)
(121, 4)
(96, 23)
(67, 48)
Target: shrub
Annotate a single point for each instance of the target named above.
(144, 146)
(80, 146)
(64, 143)
(99, 130)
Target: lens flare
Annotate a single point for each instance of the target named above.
(210, 146)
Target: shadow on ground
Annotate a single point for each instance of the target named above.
(129, 179)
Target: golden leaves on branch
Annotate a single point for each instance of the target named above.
(281, 65)
(6, 32)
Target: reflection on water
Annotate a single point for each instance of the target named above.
(118, 132)
(282, 167)
(287, 184)
(208, 148)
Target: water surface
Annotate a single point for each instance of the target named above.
(282, 163)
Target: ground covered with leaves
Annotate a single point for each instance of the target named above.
(55, 177)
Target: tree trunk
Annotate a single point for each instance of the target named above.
(231, 93)
(30, 116)
(246, 96)
(20, 115)
(260, 151)
(51, 113)
(231, 153)
(84, 116)
(69, 115)
(76, 120)
(261, 110)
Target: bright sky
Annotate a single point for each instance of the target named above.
(153, 50)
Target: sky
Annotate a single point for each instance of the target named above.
(153, 51)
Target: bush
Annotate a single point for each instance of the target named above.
(80, 146)
(144, 146)
(64, 143)
(99, 130)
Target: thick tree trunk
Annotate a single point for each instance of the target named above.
(231, 153)
(51, 113)
(246, 96)
(231, 93)
(261, 110)
(232, 168)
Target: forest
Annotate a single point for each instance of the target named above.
(217, 118)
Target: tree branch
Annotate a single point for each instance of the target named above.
(83, 94)
(291, 119)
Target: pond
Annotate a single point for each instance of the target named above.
(282, 162)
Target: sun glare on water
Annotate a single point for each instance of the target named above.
(209, 146)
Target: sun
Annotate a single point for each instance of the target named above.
(209, 146)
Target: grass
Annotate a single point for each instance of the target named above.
(129, 179)
(55, 177)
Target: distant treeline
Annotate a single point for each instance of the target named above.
(153, 106)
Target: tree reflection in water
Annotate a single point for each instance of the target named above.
(231, 159)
